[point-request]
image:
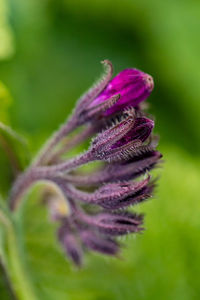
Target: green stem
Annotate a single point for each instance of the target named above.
(14, 261)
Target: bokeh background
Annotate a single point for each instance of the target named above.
(49, 54)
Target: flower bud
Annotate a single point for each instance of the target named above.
(113, 172)
(114, 196)
(141, 130)
(98, 243)
(70, 244)
(123, 140)
(133, 86)
(90, 207)
(115, 224)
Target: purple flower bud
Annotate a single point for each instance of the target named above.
(140, 131)
(139, 196)
(124, 139)
(116, 224)
(133, 86)
(70, 244)
(119, 195)
(98, 243)
(114, 172)
(90, 206)
(110, 196)
(128, 169)
(113, 134)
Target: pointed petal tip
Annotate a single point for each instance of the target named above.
(149, 82)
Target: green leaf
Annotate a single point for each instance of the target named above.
(15, 146)
(14, 155)
(5, 101)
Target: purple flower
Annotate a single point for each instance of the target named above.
(99, 243)
(116, 224)
(141, 130)
(122, 140)
(133, 86)
(70, 243)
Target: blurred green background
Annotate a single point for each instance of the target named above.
(49, 54)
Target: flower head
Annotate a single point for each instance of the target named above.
(133, 86)
(123, 140)
(141, 130)
(99, 243)
(70, 243)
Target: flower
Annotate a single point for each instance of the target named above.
(141, 130)
(70, 243)
(115, 224)
(132, 85)
(99, 243)
(122, 140)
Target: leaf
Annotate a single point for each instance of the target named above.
(5, 101)
(14, 156)
(15, 147)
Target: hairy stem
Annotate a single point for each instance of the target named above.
(70, 143)
(68, 165)
(34, 174)
(54, 140)
(21, 185)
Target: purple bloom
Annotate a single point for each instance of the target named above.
(99, 243)
(133, 86)
(115, 196)
(141, 131)
(116, 224)
(123, 140)
(127, 145)
(70, 243)
(126, 170)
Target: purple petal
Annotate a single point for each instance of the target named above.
(141, 131)
(133, 86)
(70, 245)
(99, 244)
(116, 224)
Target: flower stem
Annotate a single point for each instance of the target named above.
(14, 262)
(68, 165)
(77, 139)
(34, 174)
(65, 129)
